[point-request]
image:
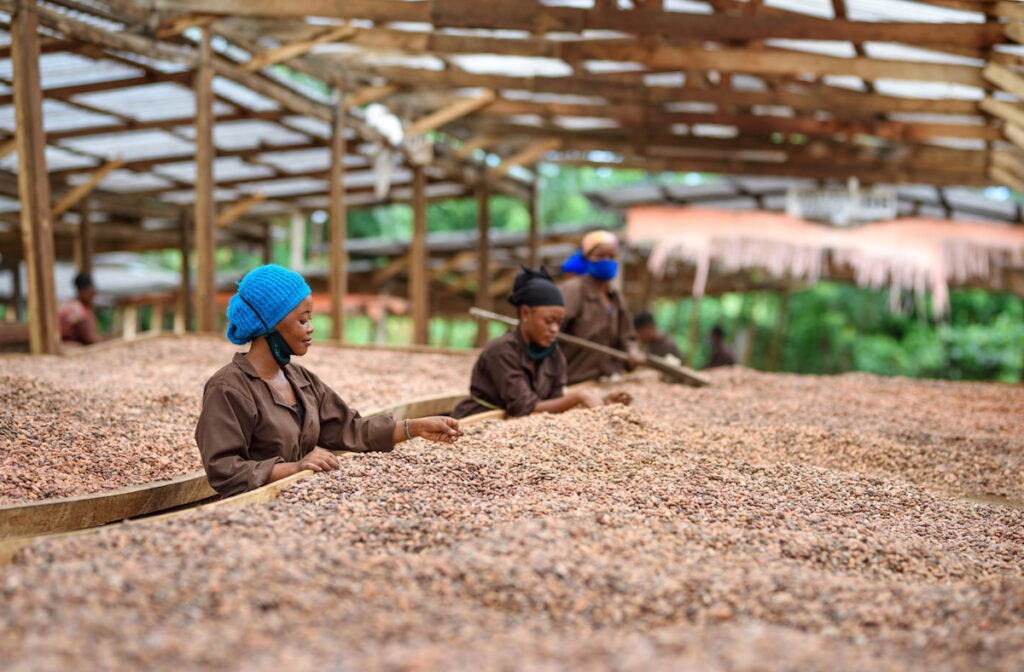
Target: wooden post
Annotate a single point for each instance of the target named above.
(338, 258)
(534, 241)
(205, 215)
(183, 311)
(483, 260)
(297, 245)
(778, 338)
(750, 326)
(33, 183)
(84, 247)
(419, 296)
(268, 243)
(694, 337)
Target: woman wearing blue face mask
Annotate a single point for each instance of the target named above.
(595, 310)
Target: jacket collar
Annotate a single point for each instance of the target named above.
(591, 290)
(242, 362)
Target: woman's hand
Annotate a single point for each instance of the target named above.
(589, 399)
(439, 428)
(624, 398)
(636, 358)
(319, 460)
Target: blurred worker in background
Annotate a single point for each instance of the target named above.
(657, 342)
(595, 310)
(524, 371)
(75, 316)
(720, 354)
(264, 418)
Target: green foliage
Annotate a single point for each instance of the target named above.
(832, 328)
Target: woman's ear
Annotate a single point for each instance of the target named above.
(524, 313)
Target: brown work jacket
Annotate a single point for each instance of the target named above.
(587, 318)
(245, 427)
(663, 344)
(502, 378)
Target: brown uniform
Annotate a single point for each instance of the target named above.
(503, 378)
(245, 427)
(662, 345)
(586, 317)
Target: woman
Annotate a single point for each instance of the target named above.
(595, 310)
(263, 417)
(76, 317)
(523, 371)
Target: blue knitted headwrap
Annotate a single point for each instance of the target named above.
(273, 291)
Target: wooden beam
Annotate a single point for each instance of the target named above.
(370, 94)
(81, 191)
(1012, 113)
(453, 264)
(33, 185)
(1005, 79)
(527, 156)
(483, 254)
(1006, 178)
(776, 62)
(533, 239)
(183, 310)
(238, 209)
(205, 214)
(8, 147)
(338, 215)
(294, 49)
(1015, 134)
(179, 24)
(85, 243)
(449, 114)
(479, 142)
(526, 15)
(418, 291)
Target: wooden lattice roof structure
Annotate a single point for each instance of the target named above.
(166, 112)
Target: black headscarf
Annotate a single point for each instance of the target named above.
(535, 288)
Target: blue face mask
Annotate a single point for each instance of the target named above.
(605, 269)
(537, 353)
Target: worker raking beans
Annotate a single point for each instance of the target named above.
(524, 371)
(264, 417)
(595, 309)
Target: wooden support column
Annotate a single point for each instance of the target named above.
(84, 243)
(694, 336)
(419, 295)
(33, 184)
(483, 260)
(338, 258)
(297, 244)
(268, 243)
(183, 311)
(205, 215)
(533, 241)
(778, 338)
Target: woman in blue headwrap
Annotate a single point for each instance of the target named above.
(263, 417)
(595, 310)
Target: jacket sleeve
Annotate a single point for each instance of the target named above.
(573, 305)
(517, 396)
(627, 334)
(342, 428)
(224, 434)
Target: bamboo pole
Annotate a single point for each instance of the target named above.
(33, 184)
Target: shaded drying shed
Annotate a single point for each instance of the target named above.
(176, 118)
